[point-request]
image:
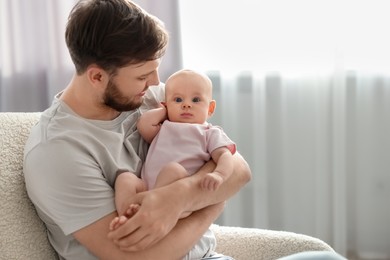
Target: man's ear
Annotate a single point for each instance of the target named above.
(97, 76)
(212, 106)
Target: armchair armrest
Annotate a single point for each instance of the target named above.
(251, 243)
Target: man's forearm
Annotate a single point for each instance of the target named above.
(189, 230)
(174, 246)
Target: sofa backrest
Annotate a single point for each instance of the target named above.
(22, 233)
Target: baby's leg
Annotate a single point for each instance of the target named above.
(170, 173)
(126, 185)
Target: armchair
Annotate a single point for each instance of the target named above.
(23, 234)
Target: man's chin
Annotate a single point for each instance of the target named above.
(124, 107)
(128, 108)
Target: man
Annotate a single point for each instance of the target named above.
(88, 137)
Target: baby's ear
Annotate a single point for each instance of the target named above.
(212, 106)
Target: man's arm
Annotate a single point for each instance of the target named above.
(161, 208)
(174, 246)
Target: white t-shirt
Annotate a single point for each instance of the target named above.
(70, 166)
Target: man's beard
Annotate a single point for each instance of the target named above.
(115, 100)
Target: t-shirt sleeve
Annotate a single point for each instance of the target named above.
(154, 96)
(67, 185)
(217, 138)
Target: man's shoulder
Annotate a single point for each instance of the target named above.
(54, 124)
(39, 130)
(153, 97)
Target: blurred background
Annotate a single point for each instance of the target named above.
(302, 87)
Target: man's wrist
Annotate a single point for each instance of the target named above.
(189, 194)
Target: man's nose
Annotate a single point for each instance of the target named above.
(154, 79)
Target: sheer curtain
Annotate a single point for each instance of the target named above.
(34, 63)
(34, 60)
(303, 87)
(318, 148)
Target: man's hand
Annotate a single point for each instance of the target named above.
(158, 213)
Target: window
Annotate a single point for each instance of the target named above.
(290, 35)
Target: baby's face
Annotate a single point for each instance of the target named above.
(188, 97)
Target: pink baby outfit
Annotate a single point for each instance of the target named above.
(187, 144)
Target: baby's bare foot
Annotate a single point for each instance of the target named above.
(133, 208)
(117, 222)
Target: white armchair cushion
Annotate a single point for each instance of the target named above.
(23, 235)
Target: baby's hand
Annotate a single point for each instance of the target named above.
(211, 181)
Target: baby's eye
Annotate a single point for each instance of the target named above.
(196, 99)
(178, 99)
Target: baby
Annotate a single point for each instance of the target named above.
(181, 142)
(181, 139)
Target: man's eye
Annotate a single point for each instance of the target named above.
(196, 99)
(178, 99)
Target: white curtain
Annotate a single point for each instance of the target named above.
(34, 60)
(34, 63)
(319, 150)
(303, 87)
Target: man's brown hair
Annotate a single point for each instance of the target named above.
(113, 34)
